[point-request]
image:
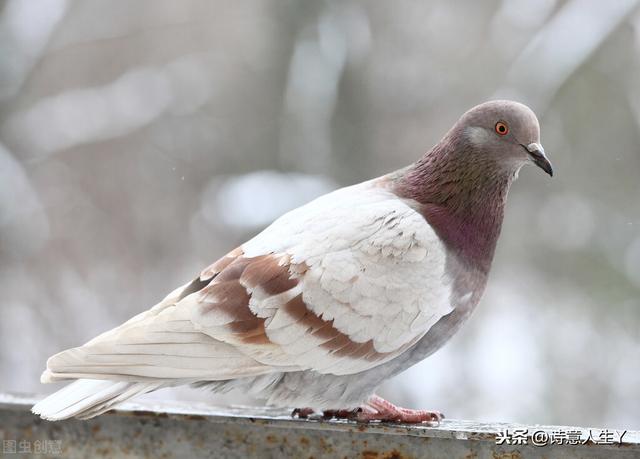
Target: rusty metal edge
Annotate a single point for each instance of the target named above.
(277, 418)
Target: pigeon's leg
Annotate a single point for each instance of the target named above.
(387, 411)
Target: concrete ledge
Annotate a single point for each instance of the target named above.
(183, 431)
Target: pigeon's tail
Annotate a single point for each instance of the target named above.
(86, 398)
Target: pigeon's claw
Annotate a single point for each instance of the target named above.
(383, 410)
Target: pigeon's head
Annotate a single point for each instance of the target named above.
(508, 131)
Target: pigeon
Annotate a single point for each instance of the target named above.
(332, 298)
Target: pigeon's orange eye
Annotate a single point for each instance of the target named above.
(502, 128)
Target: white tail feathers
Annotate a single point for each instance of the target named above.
(86, 398)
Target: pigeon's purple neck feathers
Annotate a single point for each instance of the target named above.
(461, 193)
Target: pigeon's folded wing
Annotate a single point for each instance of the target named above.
(343, 284)
(338, 286)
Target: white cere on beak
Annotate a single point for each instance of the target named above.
(535, 147)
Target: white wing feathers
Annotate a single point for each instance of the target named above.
(161, 343)
(372, 265)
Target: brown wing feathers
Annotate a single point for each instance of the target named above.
(231, 281)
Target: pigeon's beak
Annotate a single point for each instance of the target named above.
(536, 153)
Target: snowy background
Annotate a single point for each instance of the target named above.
(141, 140)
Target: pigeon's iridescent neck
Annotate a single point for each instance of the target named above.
(461, 193)
(472, 239)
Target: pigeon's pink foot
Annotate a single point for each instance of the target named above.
(379, 409)
(376, 409)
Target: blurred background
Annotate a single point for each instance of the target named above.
(139, 141)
